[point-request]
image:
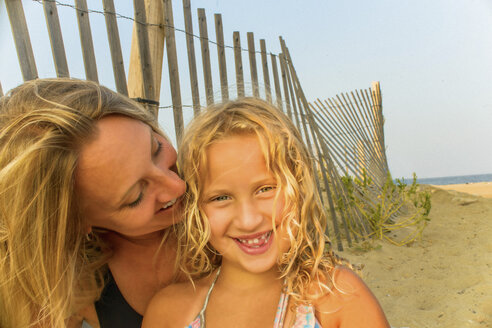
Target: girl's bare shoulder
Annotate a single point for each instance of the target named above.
(176, 305)
(350, 302)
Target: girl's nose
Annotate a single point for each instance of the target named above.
(249, 217)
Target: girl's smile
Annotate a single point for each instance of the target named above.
(241, 201)
(255, 244)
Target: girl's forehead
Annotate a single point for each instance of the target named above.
(244, 143)
(248, 133)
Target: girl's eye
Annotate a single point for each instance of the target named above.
(266, 189)
(220, 198)
(136, 201)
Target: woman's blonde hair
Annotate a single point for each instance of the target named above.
(48, 268)
(288, 160)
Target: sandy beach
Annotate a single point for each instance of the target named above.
(445, 279)
(483, 189)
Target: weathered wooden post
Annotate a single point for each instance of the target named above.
(145, 70)
(22, 41)
(115, 47)
(190, 47)
(86, 40)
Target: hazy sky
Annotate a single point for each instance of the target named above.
(433, 59)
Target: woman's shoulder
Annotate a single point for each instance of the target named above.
(177, 304)
(350, 303)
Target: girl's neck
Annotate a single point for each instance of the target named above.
(238, 279)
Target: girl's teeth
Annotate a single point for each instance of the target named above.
(255, 241)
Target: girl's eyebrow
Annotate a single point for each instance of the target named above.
(123, 198)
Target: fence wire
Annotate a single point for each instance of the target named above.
(118, 15)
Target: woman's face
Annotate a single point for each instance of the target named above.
(126, 179)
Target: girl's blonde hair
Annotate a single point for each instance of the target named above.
(48, 268)
(288, 160)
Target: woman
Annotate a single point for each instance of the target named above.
(87, 183)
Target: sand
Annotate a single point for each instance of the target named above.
(483, 189)
(445, 279)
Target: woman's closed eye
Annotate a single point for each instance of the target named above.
(140, 197)
(158, 147)
(137, 201)
(155, 152)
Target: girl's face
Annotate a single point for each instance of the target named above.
(238, 198)
(126, 178)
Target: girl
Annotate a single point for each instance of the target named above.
(253, 234)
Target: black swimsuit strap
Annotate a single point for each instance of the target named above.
(113, 310)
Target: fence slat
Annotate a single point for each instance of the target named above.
(238, 61)
(353, 135)
(172, 60)
(154, 16)
(292, 95)
(207, 71)
(115, 47)
(266, 74)
(347, 133)
(309, 146)
(276, 82)
(190, 46)
(22, 41)
(56, 39)
(252, 64)
(365, 116)
(219, 33)
(331, 137)
(375, 154)
(371, 149)
(378, 112)
(326, 157)
(284, 84)
(86, 40)
(336, 135)
(143, 50)
(327, 168)
(340, 118)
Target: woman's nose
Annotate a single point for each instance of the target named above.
(169, 185)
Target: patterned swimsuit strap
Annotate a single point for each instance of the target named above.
(281, 311)
(205, 303)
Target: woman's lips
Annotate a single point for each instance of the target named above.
(170, 204)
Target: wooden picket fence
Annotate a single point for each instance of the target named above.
(344, 134)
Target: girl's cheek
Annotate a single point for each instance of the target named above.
(280, 210)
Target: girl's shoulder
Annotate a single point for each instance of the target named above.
(177, 304)
(350, 303)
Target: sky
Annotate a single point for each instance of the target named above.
(432, 58)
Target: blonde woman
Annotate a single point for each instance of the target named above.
(88, 190)
(254, 232)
